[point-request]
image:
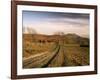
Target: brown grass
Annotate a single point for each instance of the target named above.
(70, 54)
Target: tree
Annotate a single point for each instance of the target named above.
(59, 33)
(30, 30)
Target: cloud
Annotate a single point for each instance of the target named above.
(51, 28)
(68, 21)
(50, 22)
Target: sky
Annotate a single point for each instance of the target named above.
(52, 22)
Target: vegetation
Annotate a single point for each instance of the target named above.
(73, 50)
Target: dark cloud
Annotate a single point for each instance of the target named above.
(43, 14)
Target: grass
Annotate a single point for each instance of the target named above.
(32, 48)
(76, 56)
(70, 54)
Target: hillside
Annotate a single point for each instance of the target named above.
(67, 38)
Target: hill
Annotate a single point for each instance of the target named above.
(67, 38)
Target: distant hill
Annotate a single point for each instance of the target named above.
(67, 38)
(73, 38)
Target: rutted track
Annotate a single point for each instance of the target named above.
(56, 57)
(58, 60)
(41, 60)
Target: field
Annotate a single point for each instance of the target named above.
(41, 51)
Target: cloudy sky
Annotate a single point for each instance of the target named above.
(51, 22)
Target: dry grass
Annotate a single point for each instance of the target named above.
(31, 48)
(68, 55)
(76, 56)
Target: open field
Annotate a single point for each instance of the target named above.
(76, 56)
(54, 51)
